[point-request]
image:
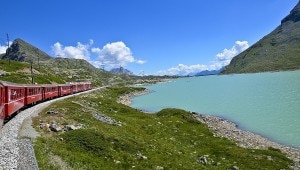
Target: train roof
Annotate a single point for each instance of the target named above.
(79, 83)
(5, 83)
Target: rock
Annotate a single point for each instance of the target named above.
(269, 158)
(55, 128)
(106, 119)
(69, 127)
(79, 126)
(117, 162)
(3, 73)
(52, 113)
(159, 168)
(202, 160)
(235, 168)
(141, 156)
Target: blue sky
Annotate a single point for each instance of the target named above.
(150, 36)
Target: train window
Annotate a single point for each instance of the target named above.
(66, 87)
(13, 94)
(16, 94)
(21, 93)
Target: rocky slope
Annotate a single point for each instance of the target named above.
(23, 51)
(279, 50)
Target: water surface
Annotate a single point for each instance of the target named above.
(264, 103)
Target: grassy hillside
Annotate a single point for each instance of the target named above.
(20, 72)
(63, 70)
(170, 139)
(54, 71)
(280, 50)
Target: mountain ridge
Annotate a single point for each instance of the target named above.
(21, 50)
(277, 51)
(121, 70)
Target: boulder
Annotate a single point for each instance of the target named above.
(202, 160)
(69, 127)
(55, 128)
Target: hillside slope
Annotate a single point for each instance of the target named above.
(279, 50)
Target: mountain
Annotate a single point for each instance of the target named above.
(15, 67)
(121, 70)
(23, 51)
(25, 63)
(277, 51)
(207, 72)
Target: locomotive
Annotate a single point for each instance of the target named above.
(14, 97)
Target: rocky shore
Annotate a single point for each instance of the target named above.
(224, 128)
(126, 99)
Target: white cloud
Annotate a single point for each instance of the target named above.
(228, 54)
(111, 55)
(115, 54)
(222, 59)
(141, 61)
(182, 69)
(81, 51)
(3, 48)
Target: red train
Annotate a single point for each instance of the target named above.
(13, 96)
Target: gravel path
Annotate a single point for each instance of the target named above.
(16, 151)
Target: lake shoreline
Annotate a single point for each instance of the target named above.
(227, 129)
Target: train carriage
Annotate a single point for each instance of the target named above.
(64, 89)
(80, 87)
(33, 94)
(73, 88)
(50, 91)
(87, 86)
(14, 98)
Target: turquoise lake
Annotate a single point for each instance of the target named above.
(264, 103)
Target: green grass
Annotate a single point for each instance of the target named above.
(171, 139)
(11, 66)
